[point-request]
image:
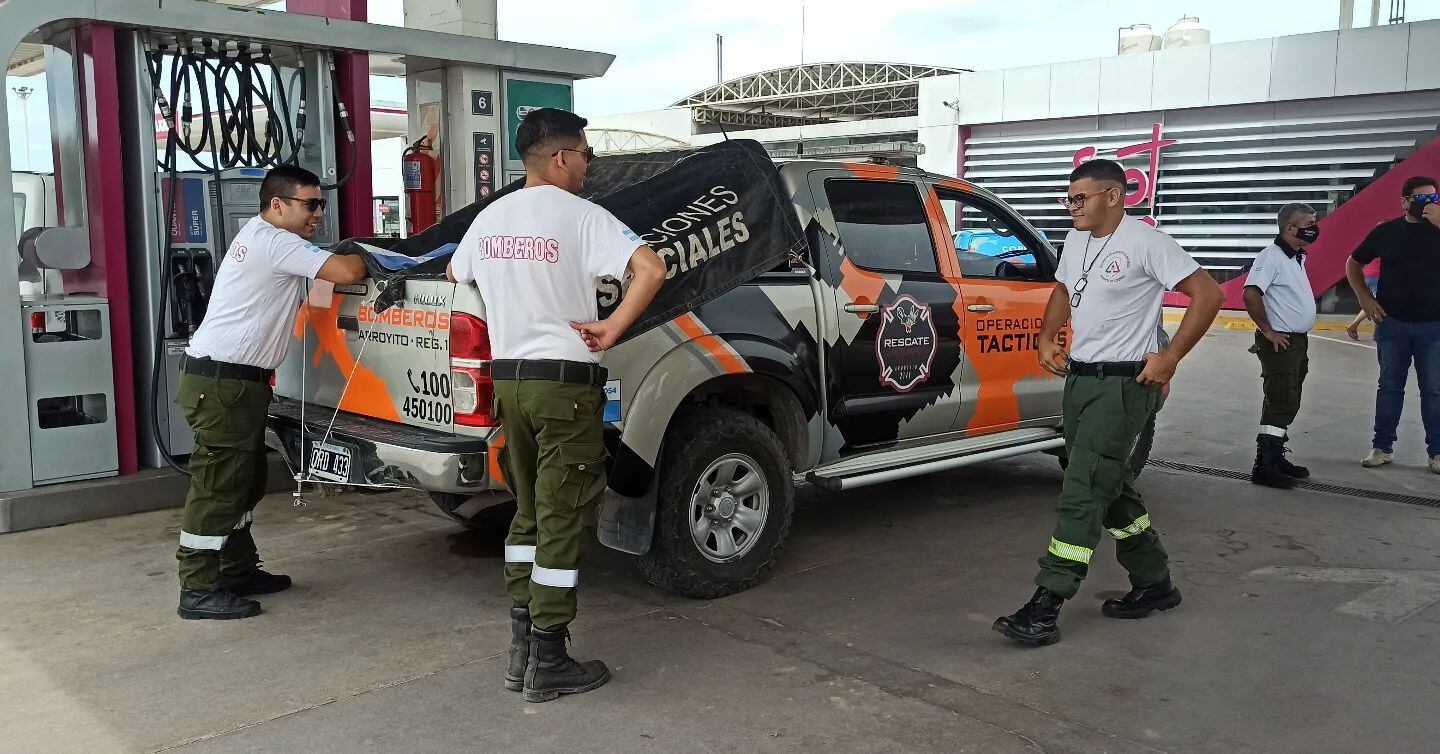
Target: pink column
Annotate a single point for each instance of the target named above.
(353, 70)
(108, 274)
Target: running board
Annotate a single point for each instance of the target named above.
(838, 483)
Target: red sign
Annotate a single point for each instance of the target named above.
(1144, 180)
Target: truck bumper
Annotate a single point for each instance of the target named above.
(382, 453)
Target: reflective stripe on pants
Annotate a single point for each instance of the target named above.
(1141, 524)
(556, 577)
(1070, 552)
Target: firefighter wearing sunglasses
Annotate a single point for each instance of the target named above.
(1113, 276)
(225, 391)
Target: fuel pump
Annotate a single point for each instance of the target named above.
(421, 172)
(228, 111)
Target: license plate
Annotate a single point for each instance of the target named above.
(329, 461)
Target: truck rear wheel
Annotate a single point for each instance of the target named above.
(475, 512)
(725, 500)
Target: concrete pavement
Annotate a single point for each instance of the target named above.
(872, 635)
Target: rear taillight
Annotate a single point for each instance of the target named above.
(471, 391)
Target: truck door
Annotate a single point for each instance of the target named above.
(1005, 273)
(893, 372)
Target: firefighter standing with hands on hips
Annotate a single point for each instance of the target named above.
(225, 391)
(1279, 298)
(1112, 282)
(536, 256)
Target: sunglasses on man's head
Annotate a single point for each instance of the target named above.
(311, 205)
(1432, 198)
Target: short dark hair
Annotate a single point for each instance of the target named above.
(283, 181)
(1099, 170)
(1415, 182)
(542, 127)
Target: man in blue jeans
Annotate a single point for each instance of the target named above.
(1406, 311)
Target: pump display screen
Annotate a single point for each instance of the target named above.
(242, 193)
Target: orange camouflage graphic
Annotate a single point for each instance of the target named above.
(367, 393)
(1001, 341)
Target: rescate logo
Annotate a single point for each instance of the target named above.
(905, 344)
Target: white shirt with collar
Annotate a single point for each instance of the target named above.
(256, 296)
(1125, 278)
(1281, 276)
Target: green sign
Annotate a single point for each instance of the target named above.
(522, 96)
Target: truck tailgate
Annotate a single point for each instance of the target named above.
(392, 365)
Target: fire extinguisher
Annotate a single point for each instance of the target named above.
(419, 170)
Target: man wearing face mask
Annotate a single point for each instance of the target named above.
(1406, 312)
(1279, 298)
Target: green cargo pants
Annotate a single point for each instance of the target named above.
(1284, 375)
(554, 461)
(1103, 419)
(227, 478)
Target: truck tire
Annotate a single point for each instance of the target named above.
(724, 503)
(494, 519)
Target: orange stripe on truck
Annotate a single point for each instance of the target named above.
(714, 345)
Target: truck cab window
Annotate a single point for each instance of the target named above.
(882, 224)
(991, 244)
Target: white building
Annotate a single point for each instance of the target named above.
(1217, 136)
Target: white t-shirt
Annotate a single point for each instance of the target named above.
(256, 296)
(1289, 300)
(536, 256)
(1124, 292)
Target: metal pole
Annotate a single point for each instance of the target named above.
(1347, 14)
(1374, 12)
(802, 32)
(24, 92)
(719, 58)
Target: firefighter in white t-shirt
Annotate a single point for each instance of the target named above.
(225, 391)
(536, 256)
(1112, 281)
(1279, 299)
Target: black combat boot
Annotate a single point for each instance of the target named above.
(217, 604)
(1143, 600)
(1269, 452)
(519, 648)
(256, 582)
(552, 672)
(1036, 623)
(1287, 468)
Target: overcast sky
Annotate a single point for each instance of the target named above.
(665, 49)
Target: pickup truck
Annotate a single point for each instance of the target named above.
(881, 352)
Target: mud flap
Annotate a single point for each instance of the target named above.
(627, 524)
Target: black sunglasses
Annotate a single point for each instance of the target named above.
(311, 205)
(588, 152)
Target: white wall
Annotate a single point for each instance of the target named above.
(1320, 66)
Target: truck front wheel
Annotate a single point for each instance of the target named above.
(724, 504)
